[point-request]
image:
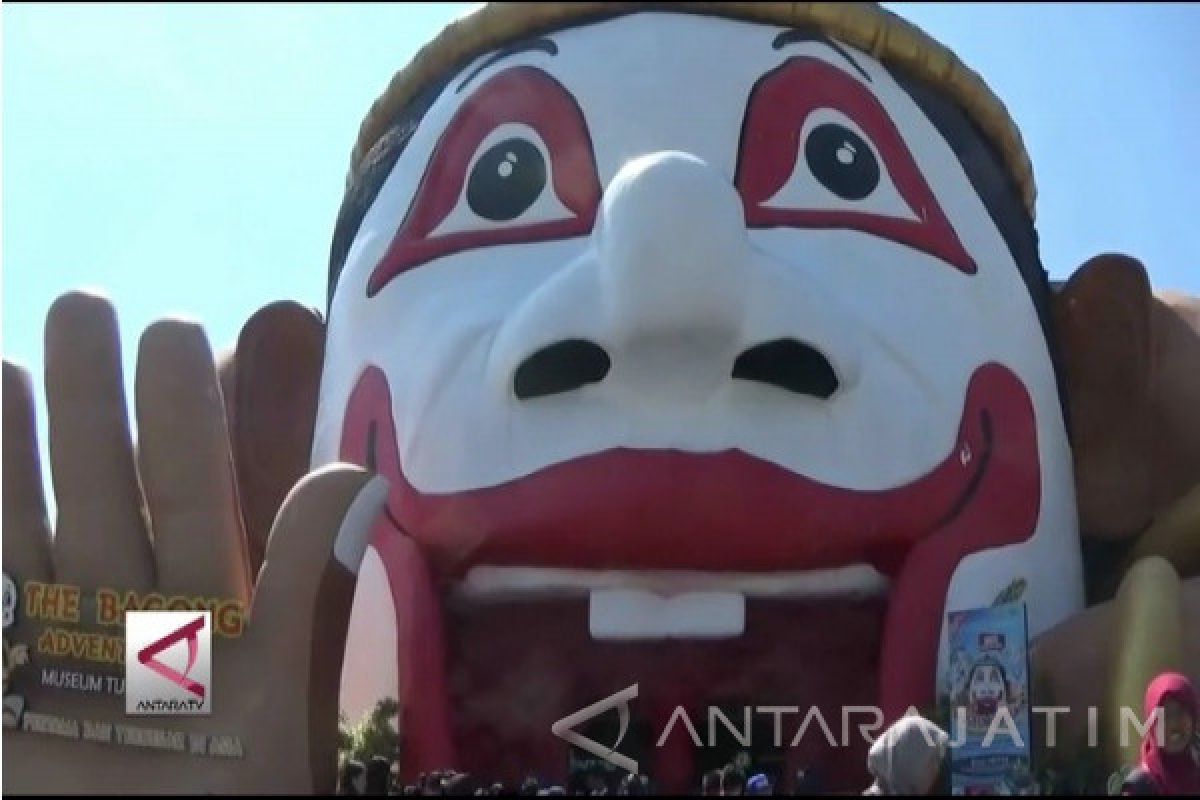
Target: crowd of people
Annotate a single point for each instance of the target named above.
(380, 776)
(911, 758)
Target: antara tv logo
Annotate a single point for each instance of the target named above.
(168, 662)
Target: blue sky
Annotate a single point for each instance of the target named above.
(190, 159)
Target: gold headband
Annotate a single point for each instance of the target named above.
(890, 39)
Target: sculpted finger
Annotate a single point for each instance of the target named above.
(1103, 324)
(26, 528)
(276, 377)
(1071, 668)
(226, 376)
(302, 602)
(1191, 623)
(1147, 637)
(1103, 657)
(101, 536)
(186, 466)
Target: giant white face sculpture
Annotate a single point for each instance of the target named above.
(695, 359)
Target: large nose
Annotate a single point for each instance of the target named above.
(669, 304)
(671, 243)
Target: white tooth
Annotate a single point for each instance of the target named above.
(640, 614)
(492, 582)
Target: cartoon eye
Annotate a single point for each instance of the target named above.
(838, 169)
(514, 165)
(509, 181)
(818, 150)
(841, 161)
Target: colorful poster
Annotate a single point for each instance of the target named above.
(988, 687)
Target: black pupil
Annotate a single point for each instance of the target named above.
(841, 161)
(506, 180)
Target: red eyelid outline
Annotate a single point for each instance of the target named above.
(779, 104)
(522, 95)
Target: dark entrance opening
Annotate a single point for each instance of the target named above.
(743, 738)
(587, 772)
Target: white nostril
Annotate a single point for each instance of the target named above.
(672, 246)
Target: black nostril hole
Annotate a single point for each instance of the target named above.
(561, 367)
(790, 365)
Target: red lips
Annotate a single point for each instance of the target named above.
(726, 511)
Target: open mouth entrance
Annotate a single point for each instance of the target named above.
(483, 679)
(515, 667)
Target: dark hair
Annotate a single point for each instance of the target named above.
(808, 781)
(379, 770)
(350, 770)
(634, 786)
(458, 785)
(733, 778)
